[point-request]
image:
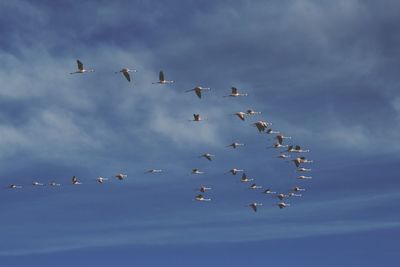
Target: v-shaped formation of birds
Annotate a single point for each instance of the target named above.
(262, 127)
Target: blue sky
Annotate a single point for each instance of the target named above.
(324, 72)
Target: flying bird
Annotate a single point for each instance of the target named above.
(153, 171)
(162, 80)
(75, 180)
(235, 93)
(203, 189)
(207, 156)
(241, 115)
(254, 206)
(197, 171)
(37, 184)
(262, 125)
(200, 197)
(121, 176)
(270, 131)
(268, 191)
(196, 117)
(252, 112)
(280, 138)
(254, 186)
(125, 72)
(282, 196)
(235, 145)
(198, 90)
(245, 179)
(303, 170)
(234, 171)
(14, 186)
(81, 69)
(101, 179)
(302, 177)
(282, 205)
(297, 149)
(54, 184)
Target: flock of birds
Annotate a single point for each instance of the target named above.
(262, 127)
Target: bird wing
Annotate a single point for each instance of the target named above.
(161, 76)
(254, 207)
(289, 148)
(74, 179)
(80, 65)
(280, 139)
(234, 90)
(127, 76)
(298, 147)
(208, 157)
(259, 127)
(297, 162)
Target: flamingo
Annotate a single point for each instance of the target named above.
(37, 184)
(280, 138)
(121, 176)
(207, 156)
(299, 160)
(198, 90)
(281, 196)
(251, 112)
(282, 205)
(235, 93)
(303, 170)
(153, 171)
(291, 194)
(200, 197)
(240, 115)
(298, 189)
(302, 177)
(254, 206)
(14, 186)
(196, 117)
(125, 72)
(268, 191)
(283, 156)
(75, 180)
(297, 149)
(197, 171)
(161, 79)
(54, 184)
(234, 171)
(270, 131)
(245, 179)
(203, 188)
(277, 145)
(81, 69)
(235, 145)
(254, 186)
(101, 179)
(262, 125)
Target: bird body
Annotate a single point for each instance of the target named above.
(121, 176)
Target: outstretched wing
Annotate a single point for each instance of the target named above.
(161, 76)
(280, 139)
(80, 65)
(198, 92)
(127, 76)
(254, 207)
(234, 90)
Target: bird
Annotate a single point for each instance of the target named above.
(75, 180)
(37, 184)
(283, 156)
(291, 194)
(203, 188)
(235, 145)
(303, 170)
(297, 149)
(254, 186)
(268, 191)
(245, 179)
(121, 176)
(282, 205)
(54, 184)
(161, 79)
(298, 189)
(207, 156)
(240, 115)
(251, 112)
(196, 117)
(198, 90)
(270, 131)
(14, 186)
(101, 179)
(277, 145)
(262, 125)
(254, 206)
(299, 160)
(235, 93)
(280, 138)
(125, 72)
(302, 177)
(234, 171)
(197, 171)
(281, 196)
(81, 69)
(153, 171)
(200, 197)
